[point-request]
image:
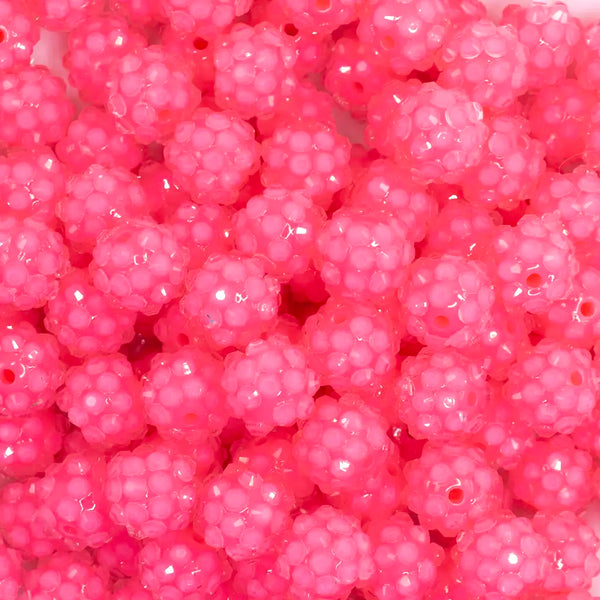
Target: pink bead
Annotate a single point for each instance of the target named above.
(10, 573)
(322, 16)
(212, 155)
(138, 12)
(64, 15)
(182, 394)
(141, 264)
(151, 490)
(119, 555)
(258, 579)
(130, 589)
(173, 329)
(325, 554)
(231, 300)
(405, 560)
(20, 33)
(553, 475)
(587, 57)
(451, 487)
(434, 132)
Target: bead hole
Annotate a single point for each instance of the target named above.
(290, 29)
(456, 495)
(534, 280)
(3, 35)
(587, 309)
(7, 376)
(182, 339)
(358, 87)
(200, 43)
(576, 378)
(441, 321)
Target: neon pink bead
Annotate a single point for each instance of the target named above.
(20, 33)
(258, 579)
(321, 16)
(10, 573)
(182, 394)
(119, 555)
(231, 300)
(151, 91)
(463, 12)
(434, 132)
(325, 554)
(553, 475)
(451, 487)
(28, 444)
(141, 264)
(212, 155)
(587, 57)
(177, 566)
(152, 489)
(405, 560)
(351, 345)
(138, 12)
(64, 15)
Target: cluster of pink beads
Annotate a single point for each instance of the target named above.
(299, 300)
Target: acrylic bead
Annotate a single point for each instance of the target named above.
(20, 33)
(119, 555)
(10, 573)
(322, 16)
(63, 15)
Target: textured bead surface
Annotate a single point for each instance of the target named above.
(119, 555)
(322, 17)
(10, 573)
(63, 15)
(20, 33)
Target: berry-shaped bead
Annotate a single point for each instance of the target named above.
(363, 253)
(258, 579)
(342, 444)
(183, 396)
(451, 487)
(407, 32)
(448, 300)
(178, 566)
(20, 33)
(320, 16)
(510, 167)
(486, 60)
(231, 300)
(553, 475)
(587, 57)
(307, 154)
(437, 133)
(29, 443)
(85, 320)
(325, 554)
(10, 573)
(553, 387)
(464, 12)
(94, 45)
(405, 560)
(119, 555)
(94, 138)
(501, 557)
(150, 92)
(573, 551)
(352, 345)
(152, 489)
(270, 384)
(550, 34)
(138, 12)
(384, 186)
(34, 108)
(65, 15)
(283, 226)
(257, 81)
(204, 18)
(30, 369)
(535, 263)
(213, 155)
(441, 394)
(141, 264)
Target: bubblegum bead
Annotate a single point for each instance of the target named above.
(102, 397)
(437, 133)
(535, 263)
(487, 61)
(182, 394)
(32, 181)
(66, 575)
(138, 12)
(151, 490)
(231, 300)
(203, 17)
(352, 345)
(20, 33)
(321, 16)
(10, 573)
(119, 555)
(463, 12)
(150, 92)
(363, 253)
(30, 369)
(258, 80)
(179, 567)
(93, 46)
(342, 444)
(325, 554)
(573, 547)
(213, 155)
(406, 562)
(94, 138)
(141, 264)
(384, 186)
(451, 487)
(553, 387)
(407, 32)
(282, 226)
(448, 300)
(553, 475)
(309, 155)
(511, 165)
(85, 320)
(64, 15)
(587, 57)
(550, 34)
(34, 108)
(29, 443)
(441, 395)
(501, 557)
(269, 384)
